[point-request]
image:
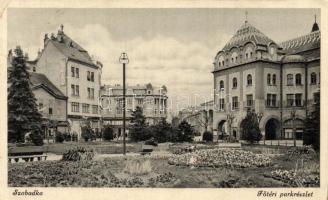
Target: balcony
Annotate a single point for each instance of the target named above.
(272, 104)
(293, 104)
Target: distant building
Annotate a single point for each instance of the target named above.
(254, 72)
(71, 69)
(153, 101)
(52, 104)
(199, 117)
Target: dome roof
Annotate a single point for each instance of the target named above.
(293, 59)
(247, 33)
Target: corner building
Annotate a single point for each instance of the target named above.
(254, 72)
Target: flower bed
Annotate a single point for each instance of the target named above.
(295, 178)
(221, 157)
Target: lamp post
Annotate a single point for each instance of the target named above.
(124, 60)
(293, 116)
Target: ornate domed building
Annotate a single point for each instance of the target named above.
(254, 72)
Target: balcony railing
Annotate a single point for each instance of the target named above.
(290, 104)
(272, 104)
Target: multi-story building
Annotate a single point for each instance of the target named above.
(153, 101)
(254, 72)
(71, 69)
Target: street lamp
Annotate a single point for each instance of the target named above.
(124, 60)
(293, 116)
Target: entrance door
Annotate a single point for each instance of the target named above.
(271, 129)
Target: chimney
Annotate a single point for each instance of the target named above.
(45, 39)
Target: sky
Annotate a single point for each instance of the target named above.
(171, 47)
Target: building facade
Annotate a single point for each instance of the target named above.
(275, 80)
(199, 117)
(153, 101)
(52, 104)
(71, 69)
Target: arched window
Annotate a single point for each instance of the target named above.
(234, 83)
(269, 79)
(290, 79)
(219, 64)
(249, 79)
(231, 60)
(274, 79)
(298, 78)
(221, 85)
(313, 78)
(246, 56)
(223, 63)
(251, 56)
(236, 58)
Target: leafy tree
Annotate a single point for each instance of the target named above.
(108, 133)
(87, 133)
(139, 129)
(23, 115)
(184, 133)
(162, 131)
(312, 126)
(207, 136)
(250, 127)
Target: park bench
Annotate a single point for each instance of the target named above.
(26, 153)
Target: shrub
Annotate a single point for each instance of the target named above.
(87, 133)
(36, 137)
(208, 136)
(59, 137)
(74, 136)
(67, 137)
(78, 154)
(108, 133)
(231, 139)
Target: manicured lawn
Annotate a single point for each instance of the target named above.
(119, 172)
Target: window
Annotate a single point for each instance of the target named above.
(249, 99)
(219, 64)
(313, 78)
(290, 100)
(88, 76)
(94, 109)
(269, 79)
(139, 101)
(316, 97)
(271, 100)
(298, 100)
(41, 108)
(298, 78)
(75, 107)
(222, 63)
(77, 72)
(274, 79)
(246, 56)
(232, 60)
(249, 80)
(77, 90)
(85, 108)
(91, 93)
(235, 103)
(221, 104)
(73, 71)
(34, 69)
(251, 56)
(274, 100)
(72, 90)
(290, 80)
(236, 59)
(221, 85)
(50, 111)
(92, 76)
(234, 83)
